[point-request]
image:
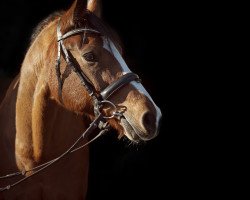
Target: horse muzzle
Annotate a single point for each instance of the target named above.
(147, 128)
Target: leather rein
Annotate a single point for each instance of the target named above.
(99, 100)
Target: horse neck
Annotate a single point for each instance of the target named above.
(43, 128)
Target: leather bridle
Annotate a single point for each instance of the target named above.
(100, 99)
(97, 98)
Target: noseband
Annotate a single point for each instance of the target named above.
(99, 100)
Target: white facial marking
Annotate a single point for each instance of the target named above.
(109, 45)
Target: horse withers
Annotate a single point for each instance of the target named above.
(73, 80)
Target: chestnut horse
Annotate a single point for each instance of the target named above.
(72, 74)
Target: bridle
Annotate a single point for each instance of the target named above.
(100, 99)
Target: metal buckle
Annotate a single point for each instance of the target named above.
(116, 112)
(108, 105)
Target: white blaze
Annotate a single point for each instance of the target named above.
(109, 45)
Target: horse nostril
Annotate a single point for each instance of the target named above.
(149, 122)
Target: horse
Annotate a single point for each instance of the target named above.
(73, 86)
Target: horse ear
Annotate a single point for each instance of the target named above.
(76, 12)
(78, 9)
(95, 6)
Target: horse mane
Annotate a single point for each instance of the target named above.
(37, 30)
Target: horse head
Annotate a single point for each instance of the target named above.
(84, 41)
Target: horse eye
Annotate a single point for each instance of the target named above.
(90, 57)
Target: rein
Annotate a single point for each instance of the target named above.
(97, 123)
(99, 100)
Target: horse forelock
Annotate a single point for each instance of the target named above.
(104, 29)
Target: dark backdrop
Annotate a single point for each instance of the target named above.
(119, 170)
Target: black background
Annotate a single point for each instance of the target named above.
(153, 37)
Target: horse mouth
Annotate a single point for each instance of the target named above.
(129, 131)
(132, 132)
